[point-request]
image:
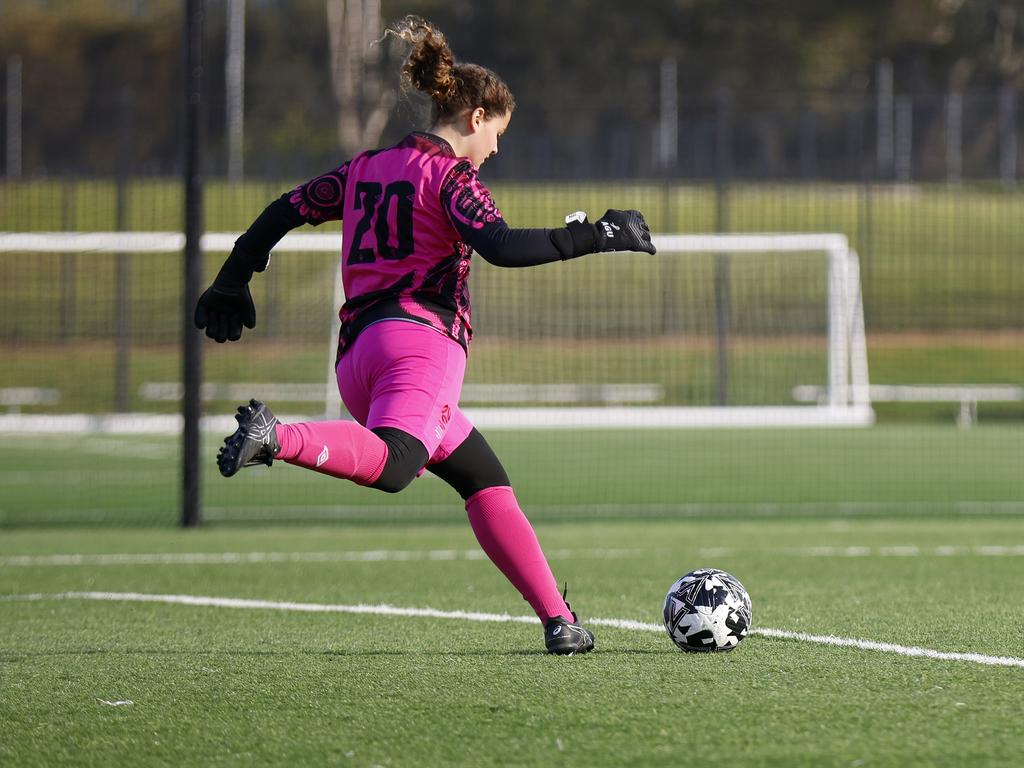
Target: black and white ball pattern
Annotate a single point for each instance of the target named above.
(707, 610)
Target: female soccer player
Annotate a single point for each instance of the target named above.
(412, 216)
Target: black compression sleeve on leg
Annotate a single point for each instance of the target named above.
(406, 457)
(471, 467)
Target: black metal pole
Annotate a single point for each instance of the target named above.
(723, 170)
(191, 338)
(123, 268)
(668, 157)
(68, 265)
(867, 168)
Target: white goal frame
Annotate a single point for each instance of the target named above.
(846, 401)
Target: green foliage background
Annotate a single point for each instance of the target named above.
(586, 67)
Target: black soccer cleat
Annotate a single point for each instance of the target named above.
(566, 638)
(254, 442)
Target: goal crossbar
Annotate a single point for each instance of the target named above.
(308, 242)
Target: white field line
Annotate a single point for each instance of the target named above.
(412, 511)
(390, 610)
(989, 550)
(902, 650)
(244, 558)
(753, 509)
(897, 550)
(406, 555)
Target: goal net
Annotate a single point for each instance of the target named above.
(717, 330)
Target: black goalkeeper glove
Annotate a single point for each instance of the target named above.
(615, 231)
(624, 231)
(227, 304)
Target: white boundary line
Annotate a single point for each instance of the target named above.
(420, 555)
(902, 650)
(901, 509)
(390, 610)
(758, 509)
(244, 558)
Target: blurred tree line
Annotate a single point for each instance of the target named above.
(579, 68)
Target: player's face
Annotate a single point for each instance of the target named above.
(485, 132)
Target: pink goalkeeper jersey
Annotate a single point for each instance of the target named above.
(402, 253)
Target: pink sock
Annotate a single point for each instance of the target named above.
(509, 540)
(337, 448)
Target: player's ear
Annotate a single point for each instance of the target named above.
(476, 119)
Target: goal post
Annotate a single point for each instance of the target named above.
(575, 346)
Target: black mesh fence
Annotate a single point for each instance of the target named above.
(924, 185)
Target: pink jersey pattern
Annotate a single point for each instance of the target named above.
(403, 256)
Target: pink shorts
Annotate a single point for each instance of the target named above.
(407, 376)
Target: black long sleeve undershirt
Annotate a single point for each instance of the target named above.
(502, 246)
(252, 248)
(277, 220)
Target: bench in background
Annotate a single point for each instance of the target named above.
(967, 395)
(13, 398)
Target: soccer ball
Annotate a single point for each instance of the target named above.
(707, 610)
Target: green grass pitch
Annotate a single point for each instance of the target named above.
(910, 536)
(558, 475)
(245, 686)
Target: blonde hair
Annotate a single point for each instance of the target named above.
(453, 86)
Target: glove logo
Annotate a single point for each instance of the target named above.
(609, 228)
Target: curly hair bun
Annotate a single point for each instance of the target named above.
(453, 87)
